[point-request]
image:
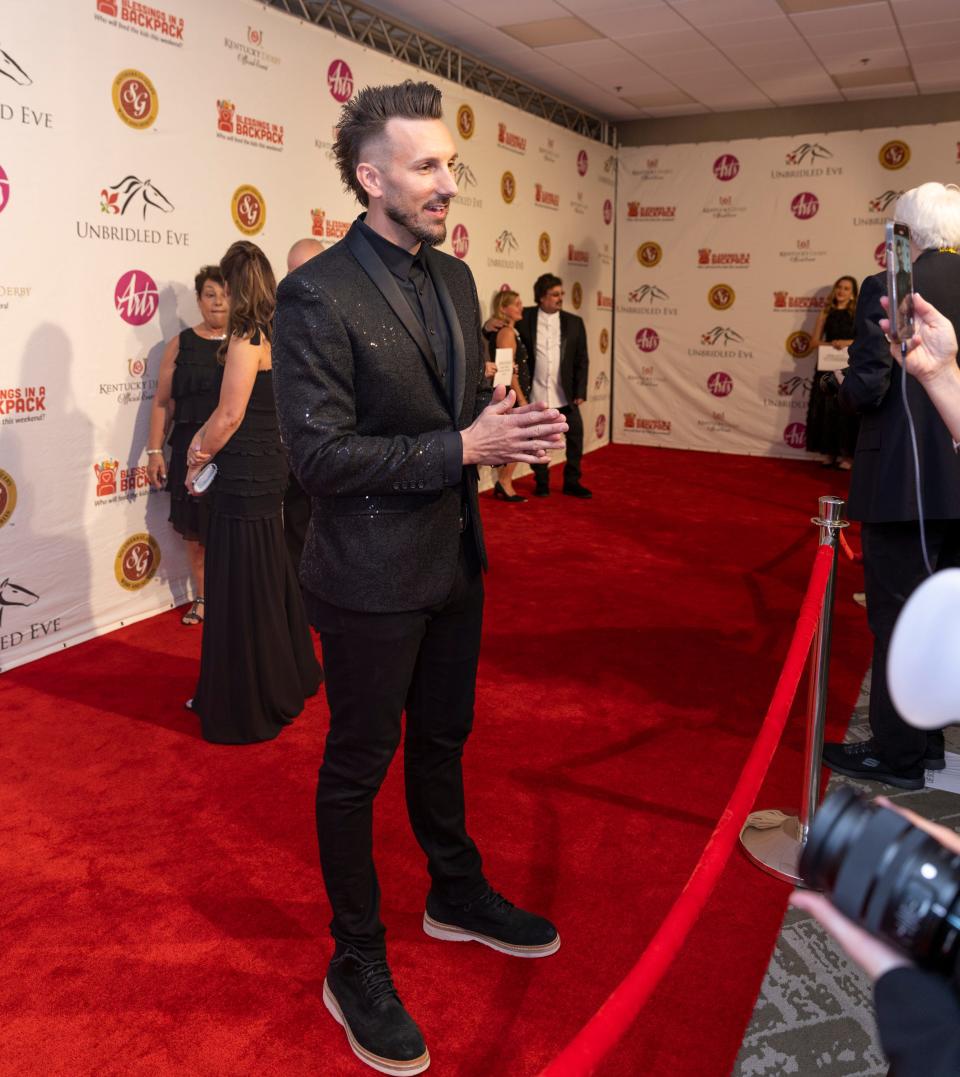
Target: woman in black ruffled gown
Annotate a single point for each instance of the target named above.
(257, 664)
(831, 430)
(187, 387)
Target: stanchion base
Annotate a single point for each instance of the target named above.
(775, 849)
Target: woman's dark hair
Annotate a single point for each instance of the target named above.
(207, 273)
(543, 284)
(364, 117)
(854, 288)
(253, 292)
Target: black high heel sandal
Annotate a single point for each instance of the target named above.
(501, 495)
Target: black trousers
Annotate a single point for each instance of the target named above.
(296, 519)
(893, 569)
(574, 439)
(378, 665)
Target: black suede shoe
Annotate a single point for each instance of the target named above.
(360, 995)
(576, 489)
(863, 760)
(495, 922)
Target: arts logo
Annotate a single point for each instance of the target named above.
(604, 341)
(722, 335)
(721, 297)
(638, 212)
(600, 426)
(795, 435)
(4, 190)
(578, 257)
(720, 383)
(15, 594)
(798, 344)
(807, 151)
(647, 340)
(460, 240)
(135, 99)
(508, 187)
(576, 295)
(505, 242)
(107, 472)
(510, 140)
(544, 246)
(340, 81)
(707, 257)
(583, 163)
(137, 561)
(136, 297)
(726, 167)
(116, 199)
(894, 154)
(463, 174)
(8, 496)
(882, 202)
(880, 255)
(9, 68)
(326, 227)
(466, 121)
(546, 199)
(249, 209)
(649, 254)
(648, 292)
(225, 111)
(607, 211)
(804, 206)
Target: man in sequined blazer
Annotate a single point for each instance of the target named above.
(378, 359)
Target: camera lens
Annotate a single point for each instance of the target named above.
(890, 877)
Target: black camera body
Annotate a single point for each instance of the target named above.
(888, 876)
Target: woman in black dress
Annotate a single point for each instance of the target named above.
(829, 429)
(257, 664)
(508, 308)
(187, 391)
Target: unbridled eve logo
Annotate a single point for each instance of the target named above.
(804, 206)
(647, 340)
(142, 194)
(726, 167)
(340, 81)
(720, 383)
(882, 202)
(135, 99)
(9, 68)
(4, 190)
(136, 297)
(460, 241)
(807, 151)
(505, 242)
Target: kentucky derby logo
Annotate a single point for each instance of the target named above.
(804, 206)
(721, 297)
(576, 295)
(894, 154)
(136, 297)
(721, 334)
(795, 435)
(255, 37)
(798, 344)
(649, 254)
(807, 151)
(135, 99)
(505, 242)
(137, 368)
(10, 69)
(466, 122)
(340, 81)
(604, 341)
(225, 111)
(720, 383)
(881, 203)
(15, 594)
(647, 340)
(106, 473)
(116, 199)
(543, 246)
(137, 561)
(647, 291)
(4, 190)
(249, 209)
(508, 187)
(8, 496)
(460, 241)
(726, 167)
(583, 162)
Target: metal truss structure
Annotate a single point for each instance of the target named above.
(367, 27)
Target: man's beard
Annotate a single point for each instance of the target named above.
(431, 234)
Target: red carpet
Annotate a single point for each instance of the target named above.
(163, 908)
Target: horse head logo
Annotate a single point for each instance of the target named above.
(12, 70)
(116, 198)
(12, 594)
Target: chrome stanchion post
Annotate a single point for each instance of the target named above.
(773, 839)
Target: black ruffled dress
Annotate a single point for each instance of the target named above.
(831, 430)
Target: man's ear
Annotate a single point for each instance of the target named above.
(370, 179)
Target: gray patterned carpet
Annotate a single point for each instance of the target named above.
(814, 1015)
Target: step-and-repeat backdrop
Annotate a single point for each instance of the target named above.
(726, 253)
(136, 144)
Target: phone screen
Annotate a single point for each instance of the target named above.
(899, 281)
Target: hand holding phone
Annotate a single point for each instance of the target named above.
(899, 282)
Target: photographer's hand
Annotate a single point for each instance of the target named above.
(932, 350)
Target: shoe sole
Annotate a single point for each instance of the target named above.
(381, 1065)
(935, 764)
(451, 933)
(884, 779)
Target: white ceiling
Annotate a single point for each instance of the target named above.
(634, 59)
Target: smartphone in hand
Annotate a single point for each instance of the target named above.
(899, 282)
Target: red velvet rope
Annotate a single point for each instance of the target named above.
(848, 549)
(607, 1026)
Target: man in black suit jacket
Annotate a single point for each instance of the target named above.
(556, 344)
(883, 490)
(378, 360)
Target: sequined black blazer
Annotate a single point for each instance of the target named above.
(363, 413)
